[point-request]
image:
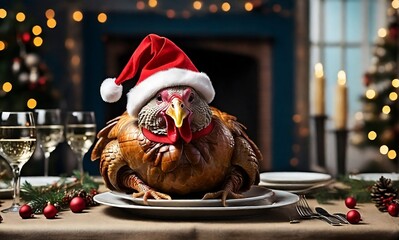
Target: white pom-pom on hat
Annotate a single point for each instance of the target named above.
(110, 91)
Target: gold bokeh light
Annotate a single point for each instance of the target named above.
(50, 13)
(20, 16)
(3, 13)
(386, 109)
(7, 87)
(372, 135)
(384, 149)
(370, 93)
(31, 103)
(37, 30)
(38, 41)
(391, 154)
(77, 16)
(51, 23)
(226, 6)
(393, 96)
(102, 18)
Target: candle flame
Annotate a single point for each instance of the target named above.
(319, 70)
(341, 78)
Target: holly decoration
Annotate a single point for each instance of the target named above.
(25, 211)
(50, 211)
(353, 216)
(61, 193)
(383, 193)
(77, 204)
(350, 202)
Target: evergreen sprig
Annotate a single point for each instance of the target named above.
(360, 189)
(60, 193)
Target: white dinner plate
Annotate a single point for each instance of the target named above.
(256, 193)
(375, 176)
(280, 199)
(294, 177)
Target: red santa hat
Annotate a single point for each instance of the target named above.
(159, 63)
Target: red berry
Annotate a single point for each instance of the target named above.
(353, 216)
(350, 202)
(77, 204)
(50, 211)
(25, 211)
(393, 209)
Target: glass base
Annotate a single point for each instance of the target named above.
(13, 208)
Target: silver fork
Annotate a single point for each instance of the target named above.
(303, 209)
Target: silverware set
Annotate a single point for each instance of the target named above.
(305, 212)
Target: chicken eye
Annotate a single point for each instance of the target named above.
(159, 98)
(191, 98)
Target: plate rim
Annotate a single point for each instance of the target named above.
(200, 202)
(358, 176)
(323, 177)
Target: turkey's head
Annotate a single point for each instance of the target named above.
(174, 113)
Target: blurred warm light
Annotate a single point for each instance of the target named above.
(248, 6)
(382, 32)
(213, 8)
(51, 23)
(77, 16)
(152, 3)
(31, 103)
(3, 13)
(318, 69)
(7, 87)
(341, 78)
(393, 96)
(226, 6)
(69, 43)
(386, 109)
(395, 4)
(297, 118)
(294, 162)
(140, 5)
(395, 83)
(370, 93)
(197, 5)
(372, 135)
(102, 18)
(391, 154)
(2, 45)
(170, 13)
(20, 17)
(75, 60)
(38, 41)
(276, 8)
(50, 13)
(186, 14)
(384, 149)
(37, 30)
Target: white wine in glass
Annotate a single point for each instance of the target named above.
(50, 132)
(17, 144)
(80, 134)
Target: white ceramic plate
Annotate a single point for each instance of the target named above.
(256, 193)
(38, 181)
(280, 199)
(294, 177)
(375, 176)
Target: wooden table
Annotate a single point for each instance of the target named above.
(104, 222)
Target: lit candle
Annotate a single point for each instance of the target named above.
(319, 90)
(341, 102)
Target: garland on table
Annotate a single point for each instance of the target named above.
(346, 187)
(60, 193)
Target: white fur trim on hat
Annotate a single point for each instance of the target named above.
(110, 91)
(138, 96)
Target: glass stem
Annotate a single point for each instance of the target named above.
(80, 156)
(16, 182)
(46, 163)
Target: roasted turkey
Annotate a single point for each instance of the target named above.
(178, 146)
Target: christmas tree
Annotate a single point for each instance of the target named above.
(378, 124)
(25, 80)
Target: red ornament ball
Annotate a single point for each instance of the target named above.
(353, 216)
(77, 204)
(50, 211)
(393, 209)
(25, 211)
(350, 202)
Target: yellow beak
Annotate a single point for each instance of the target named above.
(177, 111)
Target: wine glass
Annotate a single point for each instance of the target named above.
(80, 134)
(50, 132)
(17, 144)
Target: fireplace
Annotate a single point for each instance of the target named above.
(240, 71)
